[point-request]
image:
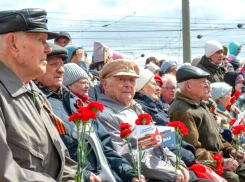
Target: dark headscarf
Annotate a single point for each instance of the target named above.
(230, 78)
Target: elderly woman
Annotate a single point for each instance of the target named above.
(77, 81)
(221, 94)
(147, 96)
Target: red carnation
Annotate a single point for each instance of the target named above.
(219, 158)
(125, 126)
(233, 98)
(86, 114)
(143, 119)
(179, 126)
(125, 133)
(125, 130)
(95, 106)
(232, 121)
(237, 94)
(75, 116)
(237, 130)
(219, 170)
(228, 107)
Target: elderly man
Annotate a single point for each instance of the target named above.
(203, 129)
(31, 148)
(168, 90)
(61, 101)
(118, 79)
(211, 61)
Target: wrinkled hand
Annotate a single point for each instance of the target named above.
(94, 178)
(241, 157)
(180, 176)
(80, 54)
(185, 173)
(230, 164)
(142, 179)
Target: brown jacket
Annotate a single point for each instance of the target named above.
(203, 129)
(31, 148)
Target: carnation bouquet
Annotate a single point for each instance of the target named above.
(82, 118)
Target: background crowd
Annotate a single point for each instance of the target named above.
(42, 84)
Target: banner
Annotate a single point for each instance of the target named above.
(151, 136)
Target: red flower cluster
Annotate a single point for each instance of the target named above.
(125, 130)
(179, 126)
(232, 121)
(237, 94)
(83, 114)
(218, 168)
(87, 113)
(233, 98)
(95, 106)
(237, 130)
(143, 119)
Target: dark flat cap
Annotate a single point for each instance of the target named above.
(26, 20)
(58, 51)
(63, 34)
(190, 72)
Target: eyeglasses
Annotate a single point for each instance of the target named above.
(169, 88)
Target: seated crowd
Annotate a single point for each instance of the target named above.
(42, 84)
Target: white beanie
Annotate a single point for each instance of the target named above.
(144, 76)
(73, 72)
(211, 47)
(152, 67)
(219, 89)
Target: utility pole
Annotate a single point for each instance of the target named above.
(186, 31)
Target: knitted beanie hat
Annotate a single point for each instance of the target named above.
(219, 89)
(239, 79)
(144, 76)
(73, 72)
(211, 47)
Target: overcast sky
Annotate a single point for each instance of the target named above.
(135, 27)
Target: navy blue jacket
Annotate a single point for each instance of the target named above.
(120, 168)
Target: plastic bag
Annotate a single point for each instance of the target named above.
(205, 172)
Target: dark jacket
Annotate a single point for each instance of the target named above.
(216, 72)
(120, 168)
(155, 109)
(203, 129)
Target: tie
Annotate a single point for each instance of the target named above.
(57, 122)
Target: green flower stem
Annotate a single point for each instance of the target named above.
(78, 173)
(135, 165)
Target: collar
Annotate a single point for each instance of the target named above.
(220, 107)
(191, 101)
(49, 92)
(206, 62)
(12, 82)
(113, 104)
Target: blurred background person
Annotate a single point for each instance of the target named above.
(63, 39)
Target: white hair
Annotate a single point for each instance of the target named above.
(168, 77)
